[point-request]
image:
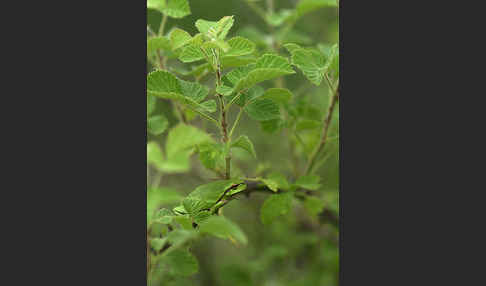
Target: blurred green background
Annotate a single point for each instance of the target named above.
(299, 248)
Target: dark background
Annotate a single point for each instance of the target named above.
(297, 249)
(408, 188)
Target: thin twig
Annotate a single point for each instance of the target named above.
(325, 129)
(224, 124)
(162, 25)
(236, 122)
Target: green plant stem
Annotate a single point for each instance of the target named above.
(161, 60)
(224, 124)
(236, 122)
(226, 141)
(325, 129)
(233, 100)
(162, 25)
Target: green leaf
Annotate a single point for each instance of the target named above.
(171, 8)
(310, 182)
(272, 185)
(244, 143)
(240, 46)
(202, 216)
(311, 62)
(205, 196)
(179, 38)
(292, 48)
(307, 124)
(221, 227)
(157, 197)
(209, 106)
(267, 67)
(313, 205)
(215, 30)
(262, 110)
(176, 163)
(250, 95)
(275, 206)
(331, 200)
(293, 36)
(236, 61)
(333, 61)
(184, 221)
(154, 154)
(216, 44)
(206, 27)
(183, 137)
(279, 95)
(271, 126)
(157, 243)
(191, 53)
(164, 216)
(307, 6)
(224, 90)
(194, 90)
(210, 154)
(156, 4)
(165, 85)
(157, 43)
(279, 179)
(237, 74)
(179, 147)
(157, 124)
(179, 237)
(182, 262)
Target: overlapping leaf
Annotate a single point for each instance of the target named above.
(171, 8)
(262, 110)
(267, 67)
(279, 95)
(244, 143)
(181, 141)
(157, 124)
(213, 30)
(165, 85)
(240, 46)
(182, 262)
(222, 227)
(310, 182)
(205, 196)
(307, 6)
(275, 206)
(179, 38)
(311, 62)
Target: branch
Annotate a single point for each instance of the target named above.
(325, 129)
(224, 124)
(326, 216)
